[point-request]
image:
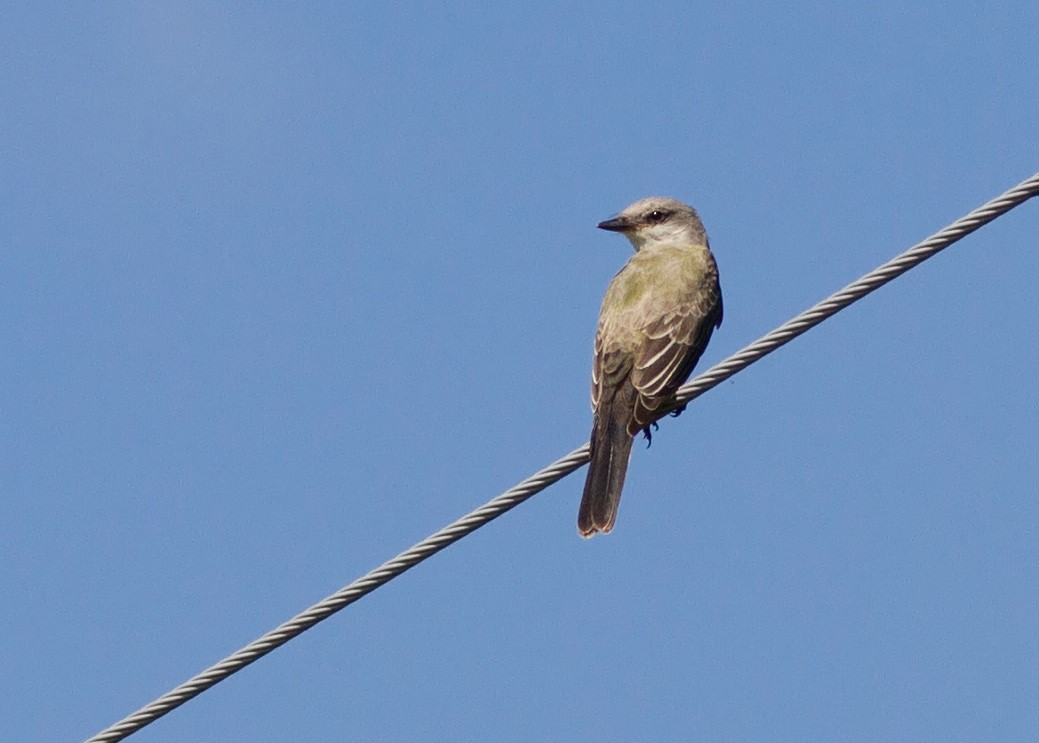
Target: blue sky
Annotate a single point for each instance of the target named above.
(288, 287)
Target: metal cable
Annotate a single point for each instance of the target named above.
(858, 289)
(563, 467)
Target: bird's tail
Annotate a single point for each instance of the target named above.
(611, 450)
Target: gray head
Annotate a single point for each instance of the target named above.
(658, 220)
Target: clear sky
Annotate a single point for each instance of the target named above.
(287, 287)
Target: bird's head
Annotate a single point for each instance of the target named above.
(658, 220)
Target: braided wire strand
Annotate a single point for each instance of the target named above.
(564, 466)
(859, 289)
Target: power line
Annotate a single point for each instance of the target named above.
(856, 290)
(563, 467)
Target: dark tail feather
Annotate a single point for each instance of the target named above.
(611, 450)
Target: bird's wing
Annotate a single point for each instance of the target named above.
(657, 317)
(673, 344)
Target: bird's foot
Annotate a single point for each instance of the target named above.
(649, 434)
(678, 411)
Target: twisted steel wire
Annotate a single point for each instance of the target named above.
(859, 289)
(564, 466)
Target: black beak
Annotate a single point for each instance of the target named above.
(617, 224)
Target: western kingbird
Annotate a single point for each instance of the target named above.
(656, 319)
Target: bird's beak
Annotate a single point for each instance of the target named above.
(617, 224)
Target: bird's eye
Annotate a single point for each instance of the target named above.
(657, 216)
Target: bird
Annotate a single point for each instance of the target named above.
(657, 316)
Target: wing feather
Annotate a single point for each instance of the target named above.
(673, 346)
(653, 343)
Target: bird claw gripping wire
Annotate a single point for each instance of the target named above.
(649, 434)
